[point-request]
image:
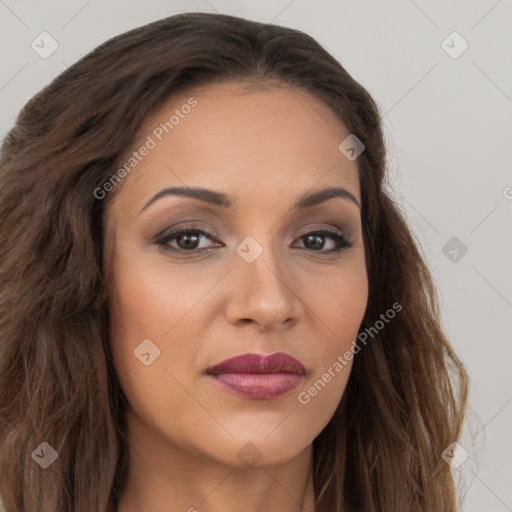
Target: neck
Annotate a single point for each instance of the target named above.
(163, 476)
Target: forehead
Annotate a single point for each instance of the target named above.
(245, 141)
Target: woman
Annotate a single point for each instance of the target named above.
(209, 300)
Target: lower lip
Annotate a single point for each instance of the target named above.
(258, 386)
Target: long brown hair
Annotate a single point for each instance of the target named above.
(405, 399)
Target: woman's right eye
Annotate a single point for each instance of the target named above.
(187, 239)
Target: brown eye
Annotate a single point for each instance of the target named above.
(187, 240)
(315, 240)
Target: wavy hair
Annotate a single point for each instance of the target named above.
(405, 399)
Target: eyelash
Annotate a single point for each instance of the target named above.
(163, 240)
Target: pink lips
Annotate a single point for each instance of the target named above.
(258, 376)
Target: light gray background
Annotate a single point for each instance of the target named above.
(448, 124)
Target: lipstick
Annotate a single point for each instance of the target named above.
(258, 376)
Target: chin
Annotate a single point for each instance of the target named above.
(258, 451)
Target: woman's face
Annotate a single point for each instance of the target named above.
(260, 278)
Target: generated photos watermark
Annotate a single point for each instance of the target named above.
(158, 133)
(304, 397)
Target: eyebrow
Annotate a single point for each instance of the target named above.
(225, 201)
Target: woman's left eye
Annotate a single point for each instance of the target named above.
(187, 241)
(341, 242)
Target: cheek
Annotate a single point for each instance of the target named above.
(156, 301)
(140, 311)
(149, 297)
(339, 307)
(339, 302)
(146, 305)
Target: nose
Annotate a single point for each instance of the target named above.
(263, 294)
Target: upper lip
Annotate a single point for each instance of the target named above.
(258, 363)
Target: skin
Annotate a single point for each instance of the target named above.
(266, 149)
